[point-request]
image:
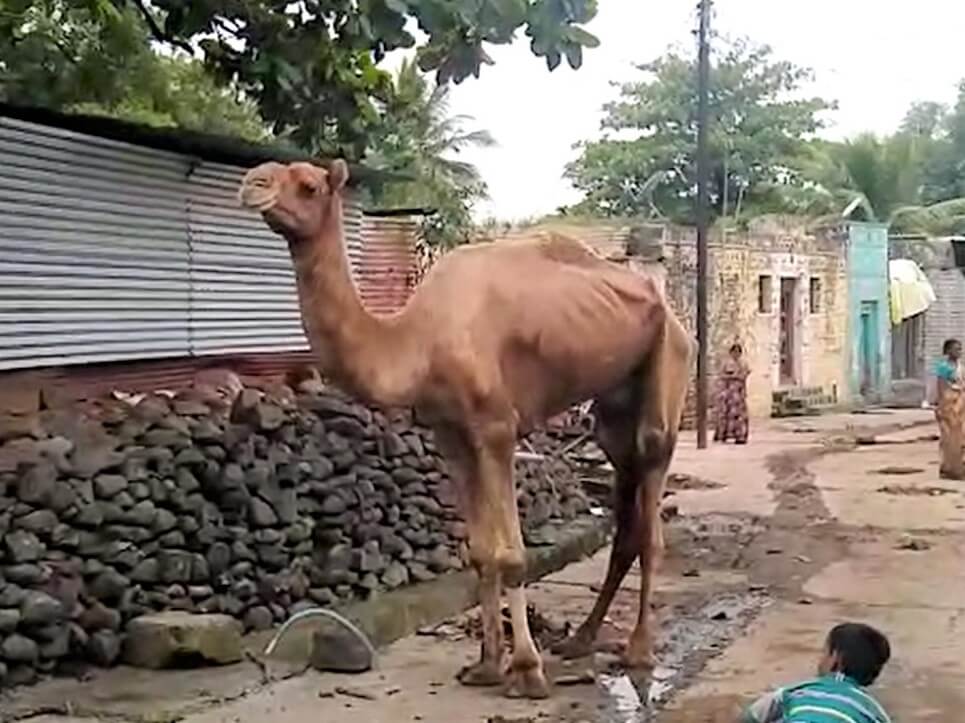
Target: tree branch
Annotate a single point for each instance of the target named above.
(156, 30)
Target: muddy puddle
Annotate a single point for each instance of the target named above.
(685, 644)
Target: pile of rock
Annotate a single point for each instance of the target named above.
(255, 506)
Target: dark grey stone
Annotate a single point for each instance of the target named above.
(36, 485)
(39, 608)
(18, 648)
(104, 648)
(23, 546)
(107, 486)
(260, 513)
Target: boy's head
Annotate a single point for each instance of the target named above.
(856, 650)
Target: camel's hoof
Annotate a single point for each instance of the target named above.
(481, 674)
(527, 683)
(573, 647)
(641, 660)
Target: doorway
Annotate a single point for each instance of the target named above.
(868, 351)
(789, 336)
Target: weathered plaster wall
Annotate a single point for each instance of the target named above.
(736, 264)
(868, 284)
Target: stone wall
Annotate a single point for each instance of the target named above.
(256, 508)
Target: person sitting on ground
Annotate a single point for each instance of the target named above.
(853, 657)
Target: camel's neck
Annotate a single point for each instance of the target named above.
(371, 357)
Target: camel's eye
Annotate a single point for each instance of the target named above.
(308, 187)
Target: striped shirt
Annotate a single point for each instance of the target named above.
(829, 699)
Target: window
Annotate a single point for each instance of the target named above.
(815, 295)
(764, 294)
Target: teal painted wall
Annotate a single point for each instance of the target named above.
(869, 323)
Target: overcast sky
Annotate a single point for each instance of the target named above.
(873, 56)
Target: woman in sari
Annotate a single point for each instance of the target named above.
(949, 404)
(732, 418)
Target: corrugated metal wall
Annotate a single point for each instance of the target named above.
(113, 252)
(93, 259)
(388, 268)
(243, 295)
(945, 318)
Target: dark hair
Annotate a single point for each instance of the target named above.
(947, 346)
(862, 651)
(736, 347)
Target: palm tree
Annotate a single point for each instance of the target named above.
(418, 137)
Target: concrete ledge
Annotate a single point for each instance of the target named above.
(397, 614)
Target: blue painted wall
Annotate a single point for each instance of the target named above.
(869, 324)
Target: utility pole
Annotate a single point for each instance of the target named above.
(703, 80)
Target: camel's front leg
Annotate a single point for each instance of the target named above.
(497, 524)
(461, 459)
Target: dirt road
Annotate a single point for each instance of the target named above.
(775, 542)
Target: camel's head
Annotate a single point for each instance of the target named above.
(296, 200)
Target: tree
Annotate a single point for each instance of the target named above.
(70, 60)
(311, 65)
(417, 137)
(759, 126)
(886, 172)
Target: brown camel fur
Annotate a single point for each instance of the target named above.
(496, 339)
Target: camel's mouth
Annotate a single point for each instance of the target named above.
(258, 198)
(259, 191)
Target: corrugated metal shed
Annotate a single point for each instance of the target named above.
(111, 251)
(93, 259)
(388, 269)
(243, 295)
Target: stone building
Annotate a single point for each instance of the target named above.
(781, 292)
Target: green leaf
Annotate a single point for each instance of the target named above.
(574, 55)
(580, 36)
(553, 59)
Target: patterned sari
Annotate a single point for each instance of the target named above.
(949, 413)
(731, 407)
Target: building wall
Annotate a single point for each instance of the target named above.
(868, 289)
(736, 265)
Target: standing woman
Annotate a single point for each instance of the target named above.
(732, 419)
(949, 408)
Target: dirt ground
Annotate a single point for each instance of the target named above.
(775, 542)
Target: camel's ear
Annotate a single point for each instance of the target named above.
(337, 174)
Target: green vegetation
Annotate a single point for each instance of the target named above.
(766, 156)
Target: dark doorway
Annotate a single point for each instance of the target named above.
(789, 340)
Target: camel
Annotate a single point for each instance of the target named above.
(498, 338)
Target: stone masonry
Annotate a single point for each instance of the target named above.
(255, 507)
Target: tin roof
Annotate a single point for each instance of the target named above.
(206, 146)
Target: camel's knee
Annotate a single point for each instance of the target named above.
(512, 567)
(656, 446)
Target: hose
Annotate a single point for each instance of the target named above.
(323, 612)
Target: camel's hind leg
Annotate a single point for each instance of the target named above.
(637, 428)
(616, 430)
(663, 395)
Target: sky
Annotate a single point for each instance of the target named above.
(874, 57)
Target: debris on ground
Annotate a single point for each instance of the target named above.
(897, 470)
(570, 679)
(546, 631)
(917, 490)
(355, 693)
(680, 481)
(915, 544)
